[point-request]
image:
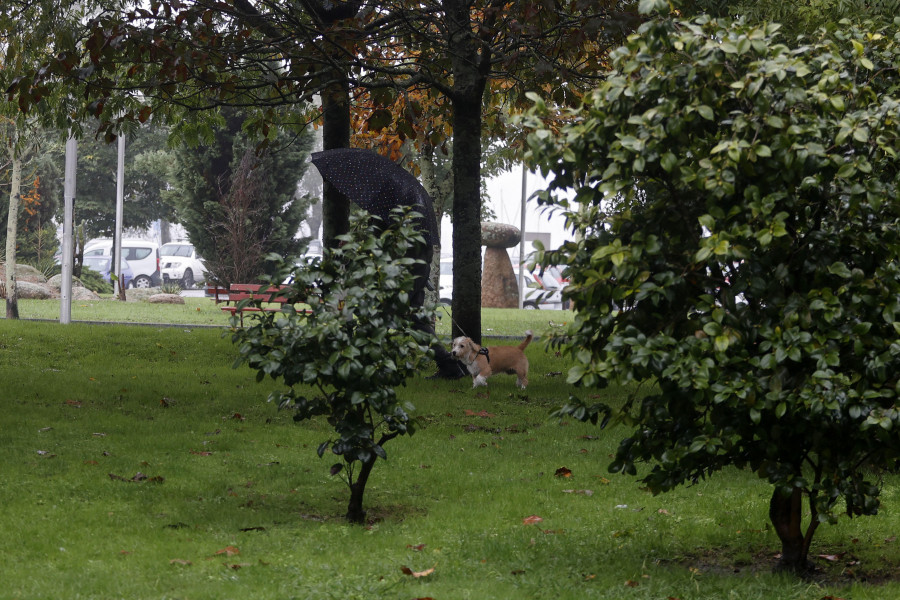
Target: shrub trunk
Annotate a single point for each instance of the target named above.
(355, 512)
(786, 514)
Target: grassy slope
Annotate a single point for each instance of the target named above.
(246, 509)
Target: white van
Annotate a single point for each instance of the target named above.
(142, 255)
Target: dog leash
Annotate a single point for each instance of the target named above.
(484, 349)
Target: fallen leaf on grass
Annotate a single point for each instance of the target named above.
(417, 548)
(180, 561)
(417, 574)
(238, 417)
(482, 413)
(75, 403)
(46, 454)
(563, 472)
(138, 477)
(201, 453)
(830, 557)
(228, 551)
(582, 492)
(237, 566)
(533, 519)
(44, 429)
(631, 583)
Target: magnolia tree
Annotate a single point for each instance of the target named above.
(345, 357)
(738, 245)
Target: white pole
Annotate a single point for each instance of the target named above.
(522, 240)
(68, 250)
(120, 200)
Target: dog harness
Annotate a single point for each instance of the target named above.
(485, 351)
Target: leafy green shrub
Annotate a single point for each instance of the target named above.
(737, 205)
(344, 358)
(94, 281)
(170, 287)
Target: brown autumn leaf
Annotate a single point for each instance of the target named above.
(417, 548)
(417, 574)
(563, 472)
(75, 403)
(180, 561)
(533, 519)
(201, 452)
(238, 417)
(482, 413)
(228, 551)
(631, 583)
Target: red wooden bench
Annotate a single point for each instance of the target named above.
(259, 294)
(219, 293)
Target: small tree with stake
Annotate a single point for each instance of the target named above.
(740, 249)
(345, 357)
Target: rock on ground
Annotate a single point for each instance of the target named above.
(165, 299)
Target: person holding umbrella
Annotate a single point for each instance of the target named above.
(377, 185)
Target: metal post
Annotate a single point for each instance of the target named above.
(68, 250)
(120, 200)
(522, 240)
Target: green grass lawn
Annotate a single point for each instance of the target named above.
(136, 463)
(204, 312)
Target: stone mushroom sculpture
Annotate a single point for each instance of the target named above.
(499, 288)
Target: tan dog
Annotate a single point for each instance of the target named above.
(483, 362)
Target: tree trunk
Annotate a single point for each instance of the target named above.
(335, 134)
(355, 512)
(786, 514)
(12, 291)
(470, 64)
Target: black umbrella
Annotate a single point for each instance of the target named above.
(376, 184)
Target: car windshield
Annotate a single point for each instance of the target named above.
(176, 250)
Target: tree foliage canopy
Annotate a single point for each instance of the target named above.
(239, 203)
(740, 248)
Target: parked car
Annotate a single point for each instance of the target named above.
(102, 264)
(181, 264)
(142, 255)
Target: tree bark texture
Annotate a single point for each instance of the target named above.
(470, 61)
(12, 221)
(335, 134)
(355, 512)
(786, 514)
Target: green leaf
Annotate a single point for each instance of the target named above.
(668, 162)
(646, 7)
(706, 112)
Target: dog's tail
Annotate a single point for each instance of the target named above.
(528, 337)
